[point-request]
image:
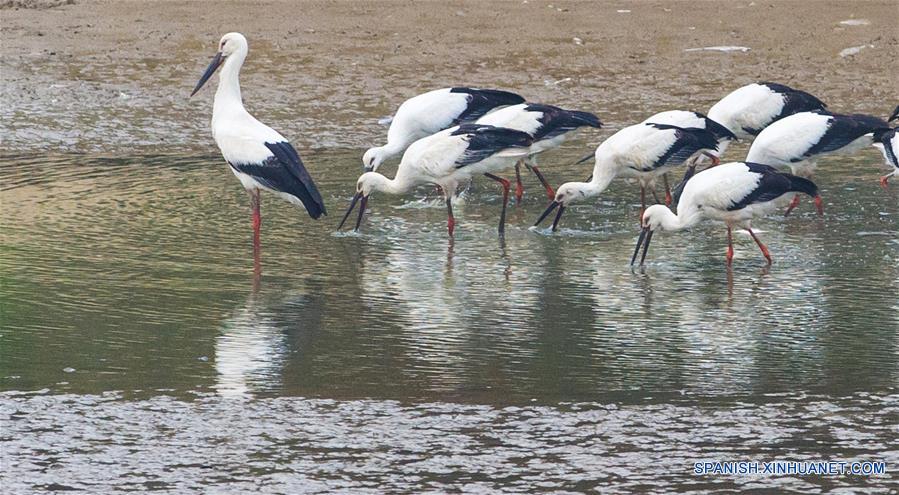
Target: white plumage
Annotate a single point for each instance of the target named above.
(887, 141)
(432, 112)
(446, 159)
(546, 124)
(642, 151)
(751, 108)
(685, 118)
(734, 193)
(260, 157)
(799, 140)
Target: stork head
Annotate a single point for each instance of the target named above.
(654, 218)
(373, 158)
(231, 44)
(566, 194)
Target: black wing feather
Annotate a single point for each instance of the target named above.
(885, 137)
(717, 129)
(556, 121)
(842, 130)
(795, 101)
(284, 172)
(772, 185)
(481, 101)
(486, 140)
(688, 142)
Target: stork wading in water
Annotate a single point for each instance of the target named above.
(734, 193)
(684, 118)
(750, 109)
(432, 112)
(446, 159)
(799, 140)
(887, 141)
(642, 151)
(261, 158)
(547, 125)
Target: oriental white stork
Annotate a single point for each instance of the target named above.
(432, 112)
(799, 140)
(643, 151)
(261, 158)
(748, 110)
(447, 159)
(547, 125)
(734, 193)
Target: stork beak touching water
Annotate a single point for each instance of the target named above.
(359, 195)
(645, 235)
(213, 66)
(549, 209)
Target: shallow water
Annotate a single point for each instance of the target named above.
(139, 350)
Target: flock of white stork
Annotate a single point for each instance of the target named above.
(448, 136)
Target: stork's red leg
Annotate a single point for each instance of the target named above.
(819, 205)
(257, 217)
(668, 198)
(730, 246)
(761, 246)
(450, 221)
(549, 189)
(519, 187)
(884, 179)
(793, 204)
(506, 185)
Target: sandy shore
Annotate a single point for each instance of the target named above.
(102, 76)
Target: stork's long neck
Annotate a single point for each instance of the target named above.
(227, 96)
(603, 173)
(398, 185)
(686, 217)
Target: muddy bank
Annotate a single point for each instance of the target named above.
(113, 76)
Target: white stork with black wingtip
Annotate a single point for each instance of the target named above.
(548, 126)
(433, 112)
(748, 110)
(799, 140)
(642, 151)
(447, 159)
(735, 193)
(261, 158)
(887, 141)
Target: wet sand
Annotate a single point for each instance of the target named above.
(109, 76)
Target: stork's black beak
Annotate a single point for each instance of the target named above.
(549, 209)
(361, 212)
(645, 235)
(350, 209)
(216, 62)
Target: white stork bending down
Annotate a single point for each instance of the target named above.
(432, 112)
(643, 151)
(259, 156)
(684, 118)
(734, 193)
(446, 159)
(887, 141)
(748, 110)
(547, 125)
(799, 140)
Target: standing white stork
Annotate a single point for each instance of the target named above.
(446, 159)
(547, 125)
(433, 112)
(734, 193)
(799, 140)
(643, 151)
(887, 141)
(748, 110)
(259, 156)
